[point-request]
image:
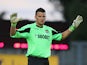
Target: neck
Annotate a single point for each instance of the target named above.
(39, 25)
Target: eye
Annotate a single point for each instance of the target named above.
(44, 16)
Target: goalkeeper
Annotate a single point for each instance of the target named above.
(39, 36)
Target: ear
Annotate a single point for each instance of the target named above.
(35, 16)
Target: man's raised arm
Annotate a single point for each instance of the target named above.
(14, 20)
(74, 25)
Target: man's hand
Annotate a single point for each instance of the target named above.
(14, 20)
(76, 23)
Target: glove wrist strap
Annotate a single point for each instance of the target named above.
(72, 28)
(13, 24)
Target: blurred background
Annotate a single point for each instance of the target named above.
(60, 15)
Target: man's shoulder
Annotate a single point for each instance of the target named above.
(26, 26)
(48, 27)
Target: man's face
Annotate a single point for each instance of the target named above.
(40, 18)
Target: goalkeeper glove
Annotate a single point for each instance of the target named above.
(76, 23)
(14, 20)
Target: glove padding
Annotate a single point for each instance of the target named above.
(77, 21)
(14, 19)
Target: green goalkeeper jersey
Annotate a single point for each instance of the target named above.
(39, 39)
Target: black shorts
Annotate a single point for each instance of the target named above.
(37, 61)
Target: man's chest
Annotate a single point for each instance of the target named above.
(40, 33)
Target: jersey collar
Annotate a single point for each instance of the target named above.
(39, 26)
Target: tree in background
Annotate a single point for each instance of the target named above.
(72, 9)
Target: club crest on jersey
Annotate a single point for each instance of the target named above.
(46, 31)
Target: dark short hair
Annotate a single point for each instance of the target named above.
(40, 10)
